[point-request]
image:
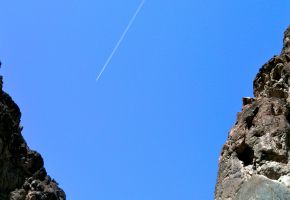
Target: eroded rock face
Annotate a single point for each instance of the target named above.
(22, 175)
(255, 162)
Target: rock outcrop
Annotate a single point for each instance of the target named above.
(22, 172)
(255, 162)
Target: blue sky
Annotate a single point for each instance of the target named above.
(153, 126)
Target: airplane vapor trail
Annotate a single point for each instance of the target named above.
(121, 38)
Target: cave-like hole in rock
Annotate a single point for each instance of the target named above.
(246, 155)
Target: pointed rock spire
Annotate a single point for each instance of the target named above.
(255, 160)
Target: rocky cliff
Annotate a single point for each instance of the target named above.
(255, 160)
(22, 175)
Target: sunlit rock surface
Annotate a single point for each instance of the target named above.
(254, 163)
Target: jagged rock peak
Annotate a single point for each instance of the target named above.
(273, 79)
(286, 41)
(22, 172)
(255, 160)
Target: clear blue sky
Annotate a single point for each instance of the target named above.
(153, 126)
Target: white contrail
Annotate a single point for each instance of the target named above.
(121, 38)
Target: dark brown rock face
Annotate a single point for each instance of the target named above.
(22, 175)
(255, 160)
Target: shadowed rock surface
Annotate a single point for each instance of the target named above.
(22, 175)
(254, 163)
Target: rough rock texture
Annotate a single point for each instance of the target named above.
(22, 175)
(255, 160)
